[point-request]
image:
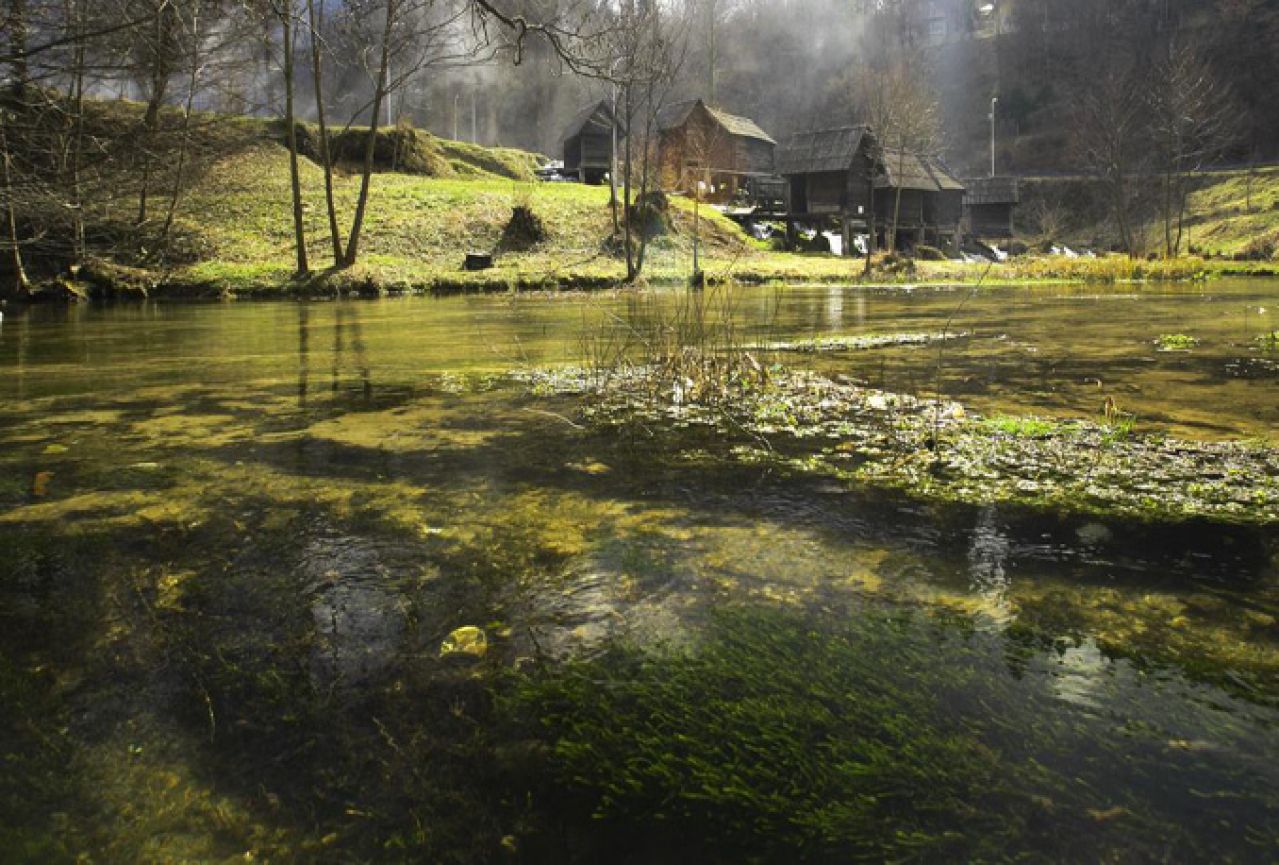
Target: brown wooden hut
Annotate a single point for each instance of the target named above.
(697, 142)
(830, 172)
(845, 173)
(989, 203)
(588, 142)
(931, 201)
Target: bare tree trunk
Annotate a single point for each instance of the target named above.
(21, 285)
(643, 196)
(193, 81)
(18, 45)
(295, 178)
(1183, 196)
(612, 163)
(631, 272)
(76, 95)
(151, 120)
(870, 217)
(897, 200)
(712, 56)
(314, 19)
(379, 93)
(1120, 195)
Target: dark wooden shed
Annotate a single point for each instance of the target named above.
(845, 172)
(830, 172)
(989, 204)
(697, 142)
(931, 202)
(588, 143)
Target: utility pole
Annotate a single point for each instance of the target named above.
(994, 100)
(475, 137)
(697, 280)
(456, 97)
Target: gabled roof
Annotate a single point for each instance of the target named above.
(821, 150)
(916, 171)
(993, 190)
(672, 116)
(596, 118)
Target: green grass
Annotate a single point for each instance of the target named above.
(418, 229)
(1021, 427)
(448, 197)
(1176, 342)
(1226, 220)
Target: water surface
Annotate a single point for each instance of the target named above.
(232, 538)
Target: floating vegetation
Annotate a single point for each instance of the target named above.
(935, 448)
(858, 343)
(1269, 341)
(1176, 342)
(1021, 427)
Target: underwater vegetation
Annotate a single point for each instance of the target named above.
(932, 448)
(870, 735)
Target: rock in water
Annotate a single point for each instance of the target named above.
(465, 642)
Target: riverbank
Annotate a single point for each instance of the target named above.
(798, 421)
(433, 201)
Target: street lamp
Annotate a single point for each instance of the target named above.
(993, 101)
(698, 189)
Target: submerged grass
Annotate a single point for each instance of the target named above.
(786, 736)
(773, 736)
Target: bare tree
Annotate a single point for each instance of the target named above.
(649, 53)
(1109, 125)
(315, 17)
(896, 99)
(21, 284)
(1192, 121)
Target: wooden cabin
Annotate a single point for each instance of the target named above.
(931, 202)
(845, 173)
(697, 142)
(830, 172)
(989, 203)
(588, 143)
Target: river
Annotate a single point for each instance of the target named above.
(233, 537)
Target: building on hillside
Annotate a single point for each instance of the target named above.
(920, 196)
(588, 143)
(697, 142)
(830, 174)
(989, 203)
(845, 173)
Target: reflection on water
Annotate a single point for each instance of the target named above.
(987, 554)
(259, 522)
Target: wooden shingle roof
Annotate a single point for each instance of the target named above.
(673, 116)
(993, 190)
(595, 118)
(821, 150)
(916, 171)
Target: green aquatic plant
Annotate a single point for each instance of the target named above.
(1021, 427)
(1176, 342)
(1268, 341)
(774, 732)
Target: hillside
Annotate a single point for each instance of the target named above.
(1230, 215)
(418, 230)
(432, 200)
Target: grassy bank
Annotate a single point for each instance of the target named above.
(434, 200)
(419, 228)
(1232, 217)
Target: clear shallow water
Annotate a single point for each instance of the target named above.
(255, 523)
